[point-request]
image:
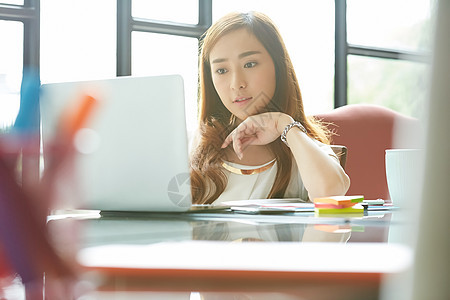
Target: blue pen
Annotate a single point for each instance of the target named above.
(27, 120)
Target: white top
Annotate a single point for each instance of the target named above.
(258, 186)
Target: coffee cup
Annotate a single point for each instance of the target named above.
(404, 174)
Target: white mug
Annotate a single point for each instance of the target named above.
(404, 174)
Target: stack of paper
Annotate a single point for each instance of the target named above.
(339, 205)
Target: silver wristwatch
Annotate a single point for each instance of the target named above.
(288, 127)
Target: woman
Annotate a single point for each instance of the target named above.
(249, 98)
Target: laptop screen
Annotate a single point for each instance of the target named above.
(132, 154)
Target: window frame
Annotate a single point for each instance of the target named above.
(29, 15)
(126, 24)
(343, 49)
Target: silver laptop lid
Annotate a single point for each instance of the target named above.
(133, 155)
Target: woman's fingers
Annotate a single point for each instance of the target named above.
(227, 141)
(230, 138)
(255, 130)
(240, 137)
(237, 137)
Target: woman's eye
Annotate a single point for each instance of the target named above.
(221, 71)
(250, 64)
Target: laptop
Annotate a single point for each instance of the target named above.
(133, 153)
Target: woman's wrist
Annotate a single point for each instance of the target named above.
(288, 128)
(283, 121)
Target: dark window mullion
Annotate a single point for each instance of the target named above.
(123, 43)
(31, 49)
(31, 60)
(205, 13)
(15, 12)
(180, 29)
(387, 53)
(144, 25)
(341, 48)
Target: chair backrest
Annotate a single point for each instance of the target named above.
(367, 131)
(341, 152)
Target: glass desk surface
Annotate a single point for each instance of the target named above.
(95, 228)
(225, 251)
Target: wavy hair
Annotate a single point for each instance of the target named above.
(208, 179)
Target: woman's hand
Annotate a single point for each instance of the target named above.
(260, 129)
(321, 174)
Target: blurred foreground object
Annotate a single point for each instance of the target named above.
(25, 247)
(432, 267)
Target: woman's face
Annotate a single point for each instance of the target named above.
(243, 73)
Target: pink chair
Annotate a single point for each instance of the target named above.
(367, 131)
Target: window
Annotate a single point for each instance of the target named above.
(389, 43)
(78, 40)
(19, 34)
(160, 54)
(398, 84)
(11, 61)
(15, 2)
(176, 11)
(401, 24)
(162, 38)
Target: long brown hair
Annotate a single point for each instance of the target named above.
(208, 179)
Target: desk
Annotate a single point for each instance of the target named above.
(298, 255)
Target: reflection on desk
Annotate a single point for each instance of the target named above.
(211, 252)
(146, 228)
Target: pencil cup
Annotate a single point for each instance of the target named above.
(404, 174)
